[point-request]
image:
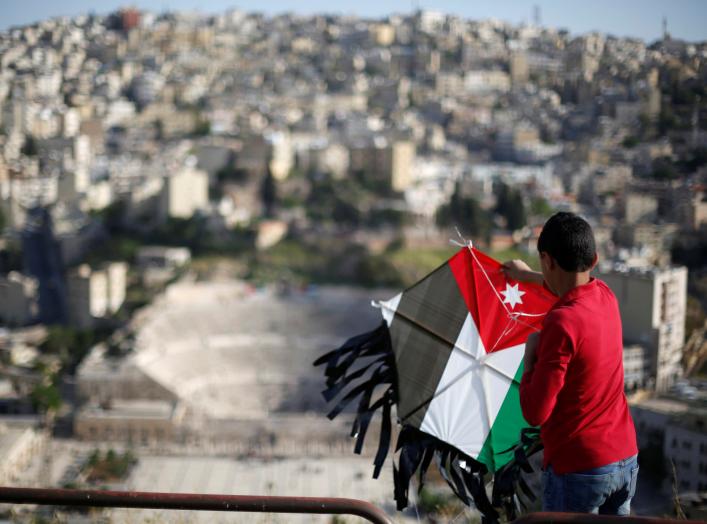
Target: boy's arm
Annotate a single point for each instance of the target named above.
(542, 383)
(518, 270)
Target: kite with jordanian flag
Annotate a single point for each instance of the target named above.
(449, 356)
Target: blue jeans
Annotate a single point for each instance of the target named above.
(606, 490)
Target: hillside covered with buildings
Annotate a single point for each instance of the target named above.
(192, 206)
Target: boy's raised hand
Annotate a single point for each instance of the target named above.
(516, 269)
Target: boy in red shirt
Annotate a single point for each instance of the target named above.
(573, 386)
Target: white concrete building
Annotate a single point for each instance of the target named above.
(184, 193)
(96, 293)
(679, 430)
(389, 163)
(117, 278)
(652, 416)
(637, 365)
(282, 155)
(18, 446)
(486, 81)
(99, 195)
(686, 446)
(653, 303)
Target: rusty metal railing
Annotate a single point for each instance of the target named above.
(193, 501)
(261, 504)
(588, 518)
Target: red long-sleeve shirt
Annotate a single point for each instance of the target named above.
(575, 391)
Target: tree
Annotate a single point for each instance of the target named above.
(202, 127)
(466, 214)
(377, 270)
(510, 205)
(268, 194)
(70, 344)
(45, 398)
(515, 214)
(541, 207)
(697, 158)
(345, 212)
(30, 147)
(664, 169)
(630, 142)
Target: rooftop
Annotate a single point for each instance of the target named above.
(664, 406)
(130, 409)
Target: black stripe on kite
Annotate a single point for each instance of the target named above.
(423, 332)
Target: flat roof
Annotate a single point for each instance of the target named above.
(129, 409)
(664, 406)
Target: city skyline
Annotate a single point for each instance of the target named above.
(645, 18)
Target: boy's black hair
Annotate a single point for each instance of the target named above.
(568, 239)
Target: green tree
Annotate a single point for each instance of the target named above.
(268, 193)
(30, 147)
(697, 159)
(541, 207)
(159, 129)
(509, 204)
(466, 214)
(664, 169)
(202, 127)
(45, 397)
(71, 344)
(667, 121)
(377, 270)
(630, 142)
(515, 214)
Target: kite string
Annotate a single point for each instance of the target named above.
(513, 316)
(470, 246)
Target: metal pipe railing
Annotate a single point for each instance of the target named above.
(588, 518)
(262, 504)
(194, 501)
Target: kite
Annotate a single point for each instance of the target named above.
(448, 356)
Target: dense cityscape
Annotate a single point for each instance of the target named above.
(194, 207)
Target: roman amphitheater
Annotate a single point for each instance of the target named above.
(233, 352)
(239, 360)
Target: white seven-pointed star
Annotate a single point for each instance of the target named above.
(512, 294)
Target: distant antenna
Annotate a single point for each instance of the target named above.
(666, 35)
(536, 16)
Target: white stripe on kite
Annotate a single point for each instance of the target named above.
(389, 307)
(457, 414)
